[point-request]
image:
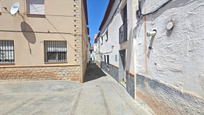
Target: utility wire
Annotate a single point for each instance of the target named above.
(140, 15)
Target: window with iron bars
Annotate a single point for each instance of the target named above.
(6, 51)
(55, 51)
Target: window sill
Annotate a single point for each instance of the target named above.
(36, 15)
(123, 42)
(7, 63)
(55, 62)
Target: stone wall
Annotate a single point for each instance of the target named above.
(165, 99)
(111, 70)
(130, 87)
(104, 67)
(114, 72)
(71, 73)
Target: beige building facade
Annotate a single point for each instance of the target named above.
(47, 41)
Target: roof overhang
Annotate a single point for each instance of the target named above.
(108, 9)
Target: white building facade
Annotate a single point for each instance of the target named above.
(116, 43)
(154, 48)
(170, 75)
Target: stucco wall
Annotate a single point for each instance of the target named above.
(175, 58)
(29, 48)
(61, 22)
(83, 41)
(113, 36)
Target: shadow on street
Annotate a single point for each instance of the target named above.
(93, 72)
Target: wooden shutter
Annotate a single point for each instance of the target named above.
(36, 7)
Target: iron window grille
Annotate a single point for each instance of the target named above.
(55, 51)
(6, 51)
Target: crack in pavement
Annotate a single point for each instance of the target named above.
(104, 99)
(77, 101)
(19, 106)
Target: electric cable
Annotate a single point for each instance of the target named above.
(140, 15)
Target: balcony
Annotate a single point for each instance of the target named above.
(123, 33)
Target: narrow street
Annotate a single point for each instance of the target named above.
(99, 95)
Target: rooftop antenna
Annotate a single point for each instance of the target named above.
(15, 9)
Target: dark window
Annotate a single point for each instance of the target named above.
(108, 59)
(36, 7)
(105, 58)
(55, 51)
(123, 28)
(106, 35)
(125, 13)
(101, 40)
(6, 51)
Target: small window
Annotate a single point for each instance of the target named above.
(108, 59)
(101, 40)
(106, 35)
(6, 51)
(115, 58)
(55, 51)
(105, 58)
(36, 7)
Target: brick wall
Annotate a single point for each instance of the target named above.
(41, 73)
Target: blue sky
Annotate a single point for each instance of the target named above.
(96, 11)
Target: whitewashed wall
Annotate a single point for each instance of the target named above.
(113, 36)
(176, 58)
(112, 46)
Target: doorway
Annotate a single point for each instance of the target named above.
(122, 68)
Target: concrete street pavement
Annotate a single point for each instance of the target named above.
(99, 95)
